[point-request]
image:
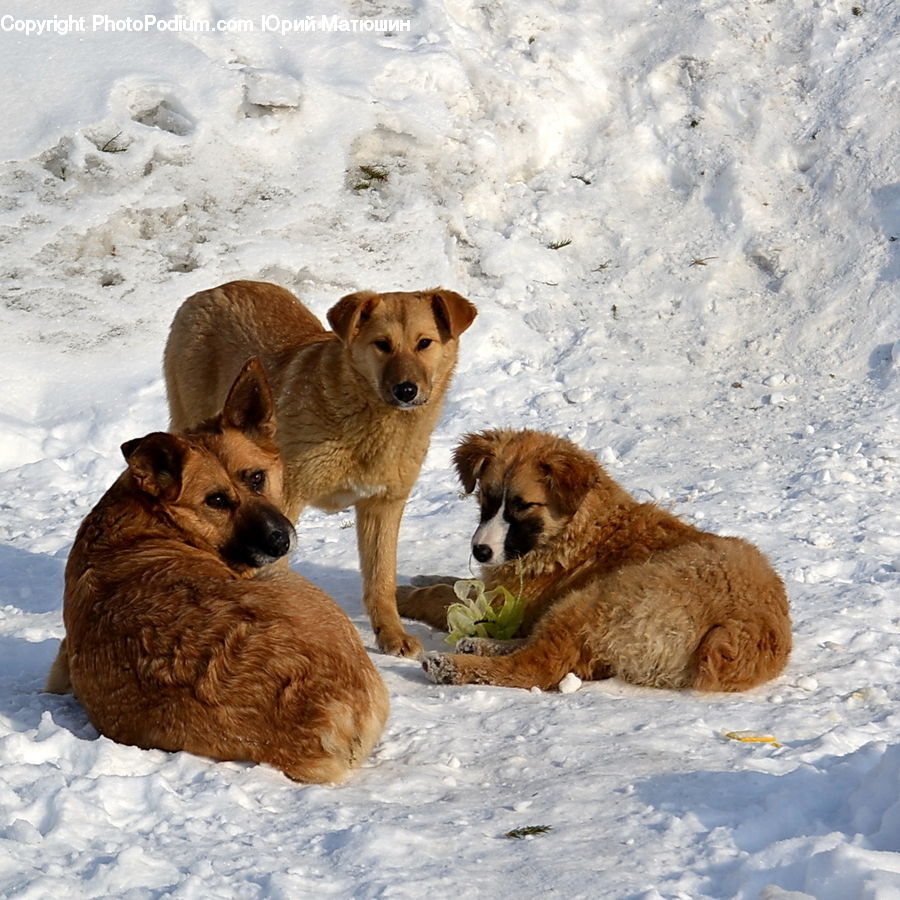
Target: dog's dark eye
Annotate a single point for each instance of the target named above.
(424, 344)
(383, 345)
(256, 481)
(518, 505)
(218, 500)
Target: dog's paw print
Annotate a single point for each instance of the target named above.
(57, 159)
(149, 107)
(268, 93)
(439, 668)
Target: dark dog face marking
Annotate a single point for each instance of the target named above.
(529, 486)
(259, 533)
(511, 523)
(240, 502)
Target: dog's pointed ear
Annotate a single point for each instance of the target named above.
(249, 405)
(350, 312)
(474, 452)
(569, 474)
(453, 313)
(156, 462)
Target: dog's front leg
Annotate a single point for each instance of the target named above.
(377, 525)
(528, 667)
(477, 646)
(542, 660)
(426, 604)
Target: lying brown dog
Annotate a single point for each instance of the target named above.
(612, 587)
(356, 406)
(180, 636)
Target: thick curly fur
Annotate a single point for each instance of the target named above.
(612, 587)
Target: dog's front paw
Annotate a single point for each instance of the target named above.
(439, 668)
(400, 644)
(473, 645)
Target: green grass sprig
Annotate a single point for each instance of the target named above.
(496, 614)
(519, 834)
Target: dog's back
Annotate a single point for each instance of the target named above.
(168, 649)
(215, 332)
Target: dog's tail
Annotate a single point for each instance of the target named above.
(737, 655)
(58, 679)
(351, 726)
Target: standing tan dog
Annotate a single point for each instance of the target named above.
(181, 636)
(612, 587)
(356, 406)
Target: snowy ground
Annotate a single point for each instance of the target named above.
(722, 329)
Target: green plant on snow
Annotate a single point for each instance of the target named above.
(496, 614)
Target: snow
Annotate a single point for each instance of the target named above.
(718, 322)
(570, 684)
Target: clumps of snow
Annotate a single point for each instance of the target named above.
(570, 684)
(847, 843)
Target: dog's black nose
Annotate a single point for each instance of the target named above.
(279, 542)
(405, 392)
(482, 552)
(262, 534)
